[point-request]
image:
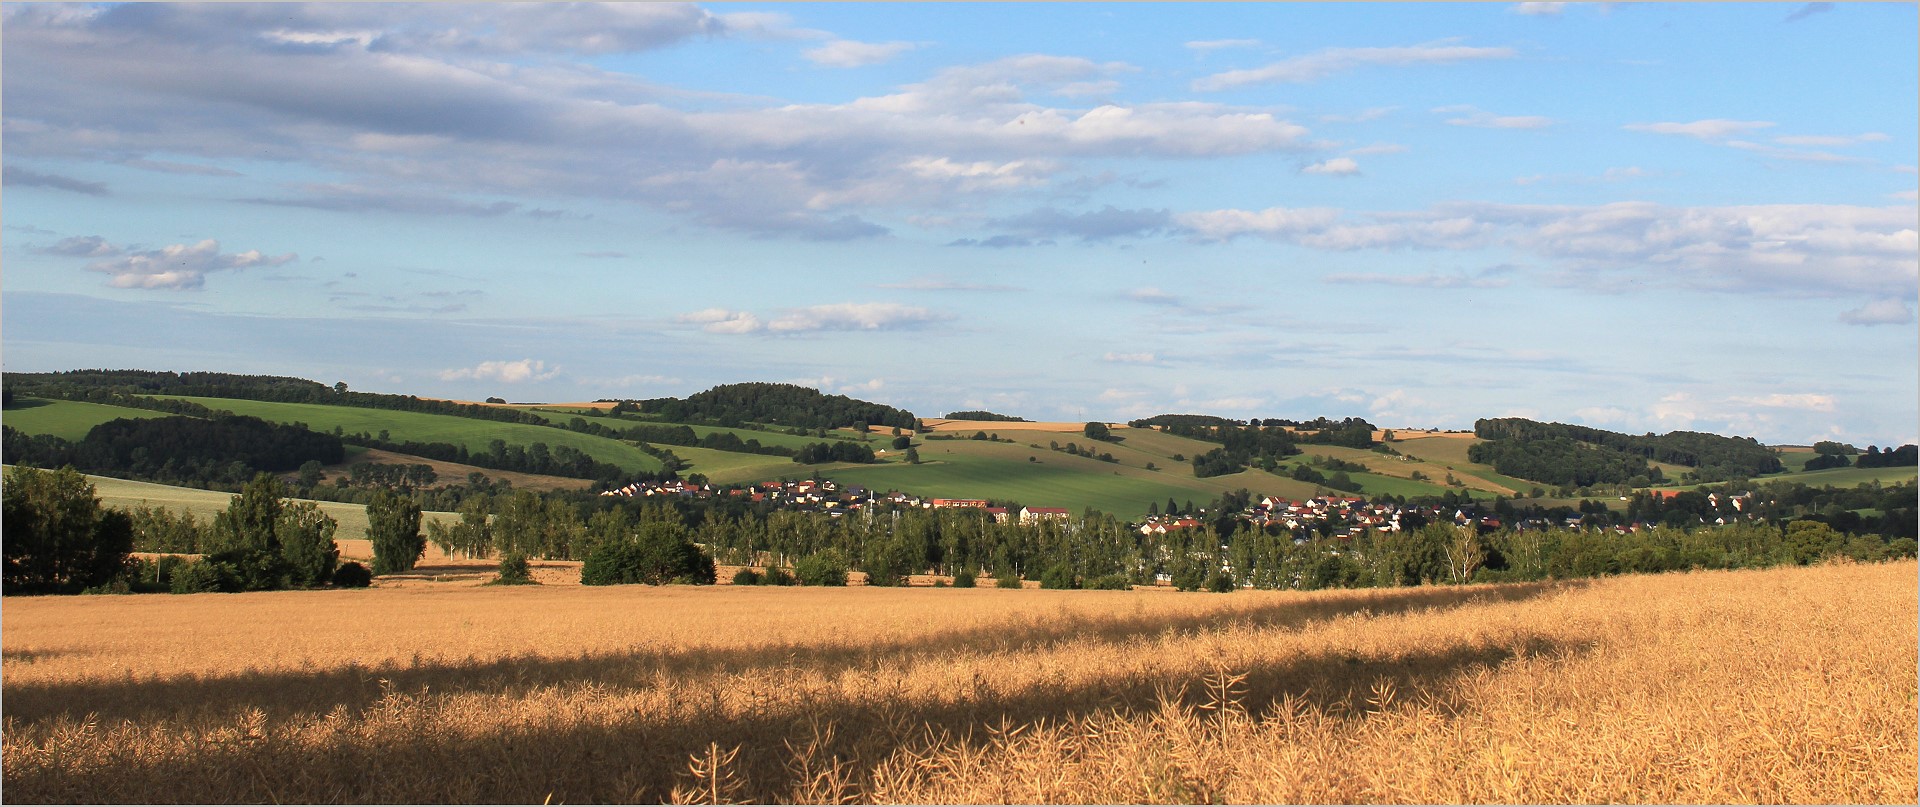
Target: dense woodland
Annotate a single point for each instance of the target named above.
(174, 450)
(981, 414)
(774, 404)
(1563, 454)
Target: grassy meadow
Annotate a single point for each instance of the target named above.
(204, 504)
(67, 420)
(428, 428)
(1791, 685)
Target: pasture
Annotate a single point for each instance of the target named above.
(427, 428)
(67, 420)
(1792, 685)
(204, 504)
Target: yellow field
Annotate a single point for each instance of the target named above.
(1794, 685)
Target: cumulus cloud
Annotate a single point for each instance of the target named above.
(1880, 312)
(180, 266)
(1104, 224)
(1709, 129)
(506, 372)
(848, 53)
(446, 110)
(1337, 167)
(21, 177)
(1319, 65)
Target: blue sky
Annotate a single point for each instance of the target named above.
(1643, 217)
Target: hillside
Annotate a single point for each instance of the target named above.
(743, 433)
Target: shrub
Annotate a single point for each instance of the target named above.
(1220, 582)
(660, 554)
(514, 571)
(352, 575)
(776, 576)
(963, 579)
(393, 525)
(1059, 576)
(746, 577)
(1008, 580)
(198, 577)
(1110, 582)
(821, 569)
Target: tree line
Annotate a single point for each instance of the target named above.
(173, 450)
(778, 404)
(1712, 457)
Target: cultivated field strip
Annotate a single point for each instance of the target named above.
(1792, 685)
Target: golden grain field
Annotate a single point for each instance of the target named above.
(1791, 685)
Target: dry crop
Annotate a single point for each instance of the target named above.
(1790, 685)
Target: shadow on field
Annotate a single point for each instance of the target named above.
(641, 757)
(283, 692)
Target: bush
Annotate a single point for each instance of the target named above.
(821, 569)
(963, 579)
(1059, 576)
(746, 577)
(1220, 583)
(660, 554)
(1008, 580)
(514, 571)
(352, 575)
(776, 576)
(1110, 582)
(198, 578)
(393, 525)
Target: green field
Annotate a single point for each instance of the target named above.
(67, 420)
(426, 428)
(728, 468)
(1846, 477)
(990, 470)
(204, 504)
(766, 438)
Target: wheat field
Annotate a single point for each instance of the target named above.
(1780, 686)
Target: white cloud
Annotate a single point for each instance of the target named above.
(1479, 119)
(1831, 140)
(180, 266)
(1337, 167)
(811, 319)
(1130, 358)
(721, 320)
(1209, 45)
(1540, 9)
(848, 53)
(1710, 129)
(1880, 312)
(1315, 66)
(1805, 401)
(1817, 249)
(853, 317)
(506, 372)
(1426, 281)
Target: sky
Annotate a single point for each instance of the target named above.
(1640, 217)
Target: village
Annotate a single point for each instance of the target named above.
(1343, 517)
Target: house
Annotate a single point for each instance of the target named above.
(1029, 515)
(999, 514)
(940, 503)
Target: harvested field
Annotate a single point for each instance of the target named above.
(1790, 685)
